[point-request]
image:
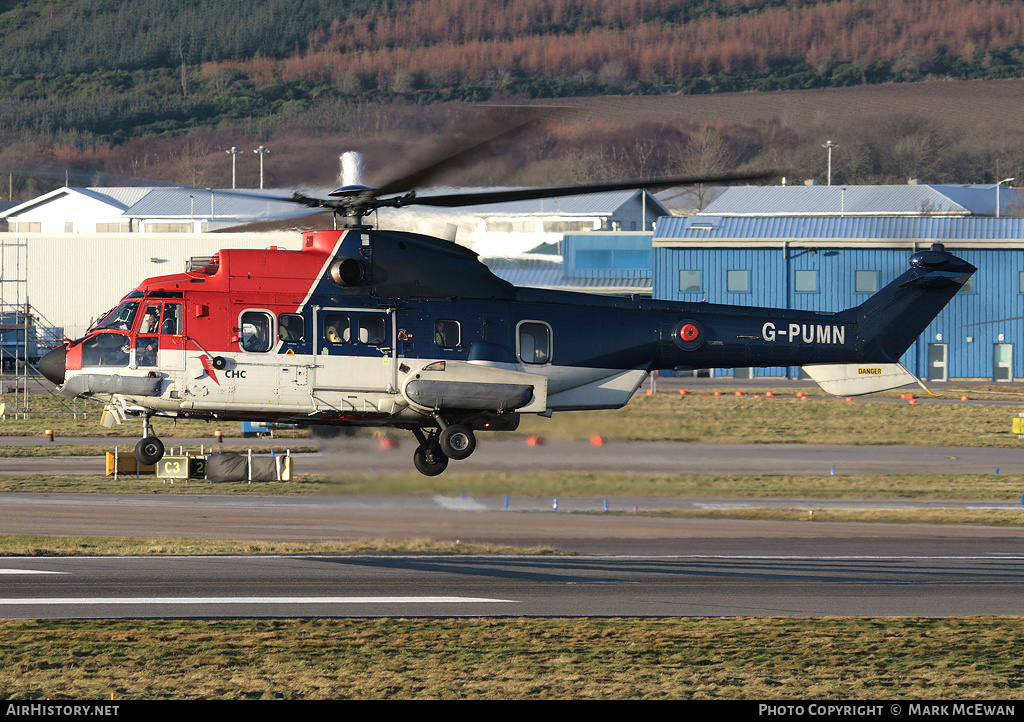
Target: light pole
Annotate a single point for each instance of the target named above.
(829, 145)
(233, 152)
(261, 151)
(1004, 180)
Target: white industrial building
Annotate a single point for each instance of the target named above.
(73, 253)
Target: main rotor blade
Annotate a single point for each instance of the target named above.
(456, 200)
(314, 221)
(462, 147)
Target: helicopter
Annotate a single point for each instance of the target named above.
(382, 328)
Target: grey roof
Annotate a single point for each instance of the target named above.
(589, 204)
(544, 273)
(887, 200)
(795, 228)
(123, 197)
(197, 202)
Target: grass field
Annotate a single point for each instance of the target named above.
(769, 658)
(750, 418)
(698, 658)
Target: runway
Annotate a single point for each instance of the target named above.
(445, 586)
(621, 563)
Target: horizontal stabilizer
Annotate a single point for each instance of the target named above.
(857, 379)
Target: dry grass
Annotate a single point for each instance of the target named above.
(547, 484)
(996, 517)
(31, 545)
(774, 658)
(787, 419)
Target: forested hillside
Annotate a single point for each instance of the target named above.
(158, 86)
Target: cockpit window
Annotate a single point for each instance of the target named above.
(121, 318)
(150, 319)
(105, 349)
(172, 319)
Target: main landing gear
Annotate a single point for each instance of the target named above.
(150, 449)
(455, 441)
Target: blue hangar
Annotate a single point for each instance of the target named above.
(827, 264)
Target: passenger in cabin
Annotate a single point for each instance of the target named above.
(290, 328)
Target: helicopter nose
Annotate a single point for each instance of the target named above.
(53, 365)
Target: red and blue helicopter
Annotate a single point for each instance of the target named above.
(367, 327)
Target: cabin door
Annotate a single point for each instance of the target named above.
(355, 350)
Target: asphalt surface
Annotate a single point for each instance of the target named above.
(403, 586)
(619, 563)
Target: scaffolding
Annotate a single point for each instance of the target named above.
(25, 336)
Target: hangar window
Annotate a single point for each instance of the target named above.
(866, 282)
(689, 281)
(256, 327)
(806, 282)
(967, 287)
(737, 281)
(534, 342)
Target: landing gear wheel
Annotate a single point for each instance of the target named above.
(429, 460)
(457, 442)
(149, 450)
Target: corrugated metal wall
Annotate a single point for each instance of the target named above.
(991, 313)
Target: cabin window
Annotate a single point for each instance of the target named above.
(337, 328)
(737, 281)
(372, 330)
(447, 333)
(256, 331)
(805, 282)
(689, 281)
(534, 342)
(291, 328)
(105, 349)
(866, 282)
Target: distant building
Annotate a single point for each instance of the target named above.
(912, 199)
(517, 227)
(145, 210)
(603, 262)
(831, 263)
